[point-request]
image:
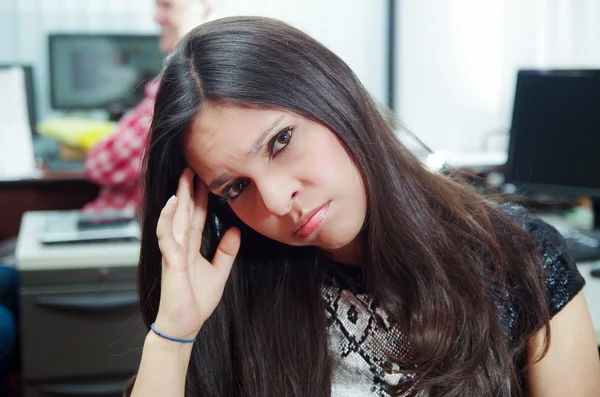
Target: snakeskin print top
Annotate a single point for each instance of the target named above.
(360, 332)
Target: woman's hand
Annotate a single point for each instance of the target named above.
(191, 286)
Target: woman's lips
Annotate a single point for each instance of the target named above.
(312, 222)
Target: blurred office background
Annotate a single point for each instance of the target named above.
(455, 62)
(458, 61)
(355, 29)
(447, 68)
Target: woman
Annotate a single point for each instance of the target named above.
(335, 263)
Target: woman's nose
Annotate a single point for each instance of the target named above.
(277, 194)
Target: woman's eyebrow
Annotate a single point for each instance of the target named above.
(219, 181)
(258, 143)
(255, 149)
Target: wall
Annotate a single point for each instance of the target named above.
(457, 62)
(354, 29)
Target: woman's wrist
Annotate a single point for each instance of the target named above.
(157, 342)
(189, 339)
(170, 328)
(163, 367)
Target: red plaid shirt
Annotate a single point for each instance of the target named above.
(115, 161)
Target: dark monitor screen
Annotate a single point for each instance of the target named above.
(555, 134)
(97, 71)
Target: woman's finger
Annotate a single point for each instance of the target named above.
(181, 220)
(164, 232)
(192, 204)
(198, 220)
(227, 251)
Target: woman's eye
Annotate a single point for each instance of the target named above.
(236, 189)
(282, 139)
(233, 191)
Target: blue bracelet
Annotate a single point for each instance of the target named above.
(171, 337)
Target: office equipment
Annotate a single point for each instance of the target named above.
(81, 328)
(106, 218)
(480, 160)
(101, 71)
(29, 85)
(584, 245)
(554, 144)
(16, 144)
(595, 272)
(63, 227)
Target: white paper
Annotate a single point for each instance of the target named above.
(16, 147)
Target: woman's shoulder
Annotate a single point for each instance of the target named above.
(561, 276)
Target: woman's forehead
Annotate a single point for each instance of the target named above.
(226, 133)
(227, 124)
(217, 119)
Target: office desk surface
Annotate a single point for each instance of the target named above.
(44, 177)
(39, 192)
(32, 255)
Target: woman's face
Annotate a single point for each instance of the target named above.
(286, 177)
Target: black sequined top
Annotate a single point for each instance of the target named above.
(360, 333)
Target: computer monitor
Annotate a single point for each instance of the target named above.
(99, 71)
(555, 134)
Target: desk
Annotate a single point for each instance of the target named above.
(81, 328)
(43, 191)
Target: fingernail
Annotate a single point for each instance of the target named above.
(170, 200)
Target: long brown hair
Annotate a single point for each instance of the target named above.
(436, 254)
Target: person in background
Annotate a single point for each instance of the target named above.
(114, 162)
